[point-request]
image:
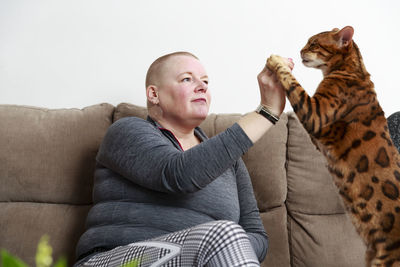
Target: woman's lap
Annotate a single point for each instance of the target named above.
(217, 243)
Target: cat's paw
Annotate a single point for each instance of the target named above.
(275, 63)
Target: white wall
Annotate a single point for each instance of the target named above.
(82, 52)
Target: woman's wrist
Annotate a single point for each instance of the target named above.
(254, 125)
(266, 112)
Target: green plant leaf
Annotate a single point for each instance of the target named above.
(43, 254)
(8, 260)
(132, 263)
(62, 262)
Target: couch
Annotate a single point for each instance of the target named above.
(47, 158)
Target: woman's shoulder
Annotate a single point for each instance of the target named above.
(131, 125)
(127, 135)
(131, 122)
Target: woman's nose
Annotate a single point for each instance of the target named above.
(201, 86)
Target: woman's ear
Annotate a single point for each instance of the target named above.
(152, 94)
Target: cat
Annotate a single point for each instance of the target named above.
(347, 124)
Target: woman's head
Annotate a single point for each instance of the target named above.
(156, 67)
(177, 89)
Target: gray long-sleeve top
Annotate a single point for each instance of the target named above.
(146, 186)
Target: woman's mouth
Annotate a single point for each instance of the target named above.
(200, 100)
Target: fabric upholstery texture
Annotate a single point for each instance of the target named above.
(47, 162)
(320, 231)
(46, 170)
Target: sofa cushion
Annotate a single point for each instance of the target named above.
(47, 162)
(308, 177)
(324, 240)
(126, 109)
(24, 223)
(48, 155)
(275, 223)
(320, 231)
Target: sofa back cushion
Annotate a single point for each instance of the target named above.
(320, 230)
(47, 163)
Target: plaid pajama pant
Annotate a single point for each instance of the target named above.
(217, 243)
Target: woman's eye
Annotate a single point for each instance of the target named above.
(187, 79)
(205, 81)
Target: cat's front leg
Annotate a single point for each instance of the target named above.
(303, 105)
(295, 93)
(280, 66)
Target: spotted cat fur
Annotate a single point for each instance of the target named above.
(347, 124)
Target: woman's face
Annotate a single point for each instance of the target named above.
(183, 90)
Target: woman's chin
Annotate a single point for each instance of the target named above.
(202, 114)
(201, 111)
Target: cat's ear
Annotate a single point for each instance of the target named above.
(345, 36)
(335, 29)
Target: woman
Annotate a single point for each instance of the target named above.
(164, 192)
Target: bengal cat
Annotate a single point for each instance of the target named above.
(347, 124)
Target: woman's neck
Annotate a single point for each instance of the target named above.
(184, 134)
(183, 130)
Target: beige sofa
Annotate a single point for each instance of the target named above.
(47, 159)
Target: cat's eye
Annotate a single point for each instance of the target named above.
(314, 45)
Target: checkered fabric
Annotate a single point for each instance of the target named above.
(217, 243)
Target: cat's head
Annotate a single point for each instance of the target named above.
(322, 50)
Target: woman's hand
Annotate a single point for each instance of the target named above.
(273, 96)
(272, 93)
